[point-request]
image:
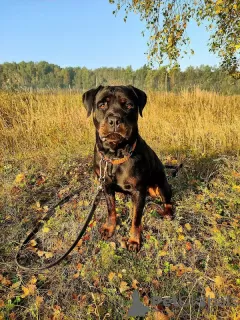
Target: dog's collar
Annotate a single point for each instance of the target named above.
(118, 160)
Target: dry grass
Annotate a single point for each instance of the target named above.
(55, 124)
(46, 143)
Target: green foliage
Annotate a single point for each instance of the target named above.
(167, 21)
(15, 76)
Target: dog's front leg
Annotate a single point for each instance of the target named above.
(108, 228)
(134, 241)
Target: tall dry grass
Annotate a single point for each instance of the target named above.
(54, 124)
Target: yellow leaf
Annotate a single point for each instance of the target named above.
(123, 286)
(181, 237)
(180, 229)
(20, 178)
(25, 292)
(33, 243)
(209, 293)
(237, 188)
(33, 280)
(134, 284)
(16, 285)
(198, 244)
(188, 226)
(219, 281)
(111, 276)
(48, 255)
(120, 275)
(159, 272)
(40, 253)
(45, 230)
(162, 253)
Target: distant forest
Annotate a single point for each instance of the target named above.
(42, 74)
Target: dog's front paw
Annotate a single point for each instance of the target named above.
(133, 245)
(107, 231)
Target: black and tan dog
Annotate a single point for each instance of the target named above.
(132, 166)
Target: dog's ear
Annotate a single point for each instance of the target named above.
(88, 99)
(142, 98)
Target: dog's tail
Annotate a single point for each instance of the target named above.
(174, 169)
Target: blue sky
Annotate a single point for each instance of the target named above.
(81, 33)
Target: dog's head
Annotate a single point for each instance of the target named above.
(115, 111)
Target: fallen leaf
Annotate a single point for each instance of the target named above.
(33, 243)
(135, 284)
(160, 316)
(40, 253)
(48, 255)
(39, 300)
(6, 282)
(20, 178)
(123, 286)
(33, 280)
(111, 276)
(181, 237)
(1, 303)
(188, 246)
(209, 293)
(79, 266)
(25, 292)
(188, 226)
(180, 229)
(162, 253)
(159, 272)
(146, 300)
(76, 275)
(197, 243)
(16, 285)
(45, 230)
(31, 288)
(219, 281)
(113, 245)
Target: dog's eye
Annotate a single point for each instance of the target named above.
(129, 105)
(102, 105)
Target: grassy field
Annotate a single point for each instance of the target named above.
(46, 145)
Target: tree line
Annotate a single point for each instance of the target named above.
(40, 75)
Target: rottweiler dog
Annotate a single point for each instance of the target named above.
(130, 165)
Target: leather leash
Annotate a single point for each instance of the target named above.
(50, 214)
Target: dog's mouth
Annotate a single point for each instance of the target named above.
(113, 137)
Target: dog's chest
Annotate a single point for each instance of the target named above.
(122, 178)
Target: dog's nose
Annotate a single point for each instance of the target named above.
(114, 121)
